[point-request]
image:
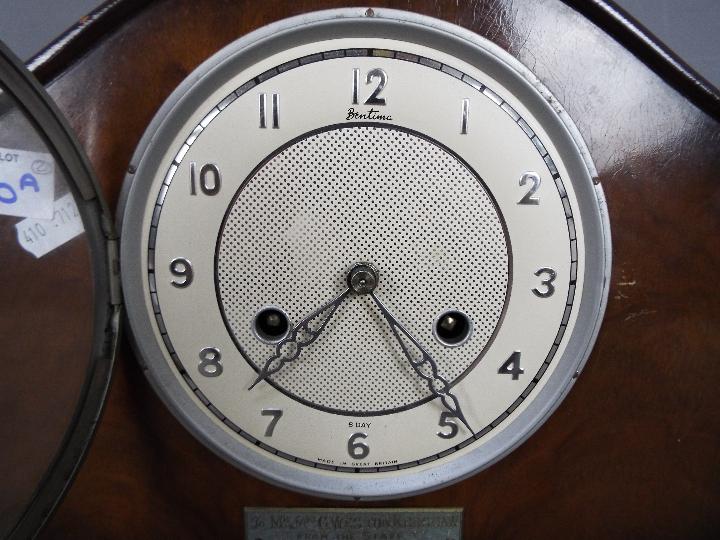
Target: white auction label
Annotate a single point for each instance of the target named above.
(41, 236)
(27, 183)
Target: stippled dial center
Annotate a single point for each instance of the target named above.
(399, 201)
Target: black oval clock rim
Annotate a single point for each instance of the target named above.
(386, 125)
(153, 154)
(49, 122)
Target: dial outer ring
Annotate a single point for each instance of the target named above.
(402, 26)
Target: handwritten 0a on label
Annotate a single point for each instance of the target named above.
(41, 236)
(27, 183)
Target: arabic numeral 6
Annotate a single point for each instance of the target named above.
(356, 449)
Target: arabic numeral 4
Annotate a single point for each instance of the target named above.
(512, 366)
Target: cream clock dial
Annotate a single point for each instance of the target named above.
(362, 253)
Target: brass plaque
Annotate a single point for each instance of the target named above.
(353, 524)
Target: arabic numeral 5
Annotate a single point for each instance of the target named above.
(210, 179)
(445, 421)
(358, 450)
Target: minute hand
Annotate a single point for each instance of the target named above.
(450, 402)
(299, 337)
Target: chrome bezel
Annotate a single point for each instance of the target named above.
(398, 25)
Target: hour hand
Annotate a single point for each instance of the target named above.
(302, 335)
(423, 364)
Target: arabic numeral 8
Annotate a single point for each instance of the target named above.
(210, 362)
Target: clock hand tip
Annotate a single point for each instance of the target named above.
(261, 377)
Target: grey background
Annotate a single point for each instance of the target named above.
(690, 27)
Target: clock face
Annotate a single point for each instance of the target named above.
(363, 257)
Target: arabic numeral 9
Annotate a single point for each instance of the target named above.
(181, 268)
(358, 450)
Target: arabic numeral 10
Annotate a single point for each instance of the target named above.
(209, 179)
